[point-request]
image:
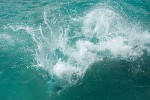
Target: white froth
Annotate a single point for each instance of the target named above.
(114, 34)
(100, 22)
(118, 48)
(64, 69)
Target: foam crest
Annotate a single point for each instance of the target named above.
(104, 33)
(64, 70)
(115, 33)
(101, 22)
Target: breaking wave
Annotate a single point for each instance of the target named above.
(67, 46)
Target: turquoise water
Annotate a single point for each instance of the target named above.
(75, 50)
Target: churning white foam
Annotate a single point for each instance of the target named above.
(104, 32)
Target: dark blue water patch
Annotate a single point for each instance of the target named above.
(141, 71)
(111, 80)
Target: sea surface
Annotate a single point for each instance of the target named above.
(74, 49)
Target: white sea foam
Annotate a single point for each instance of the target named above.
(116, 37)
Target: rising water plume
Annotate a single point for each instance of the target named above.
(67, 53)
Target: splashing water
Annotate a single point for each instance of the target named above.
(103, 33)
(68, 42)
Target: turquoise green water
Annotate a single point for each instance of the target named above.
(75, 50)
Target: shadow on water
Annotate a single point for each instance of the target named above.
(113, 80)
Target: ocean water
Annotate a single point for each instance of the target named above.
(74, 50)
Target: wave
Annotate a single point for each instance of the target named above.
(66, 46)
